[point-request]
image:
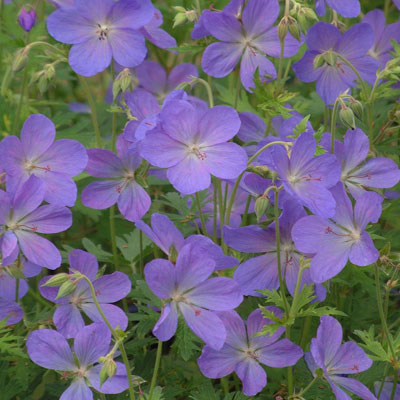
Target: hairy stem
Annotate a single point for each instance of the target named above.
(333, 124)
(202, 219)
(156, 367)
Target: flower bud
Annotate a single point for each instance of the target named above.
(310, 14)
(261, 206)
(318, 61)
(347, 117)
(173, 254)
(66, 289)
(122, 82)
(283, 28)
(108, 370)
(27, 18)
(57, 280)
(294, 29)
(20, 59)
(179, 19)
(179, 9)
(357, 108)
(330, 58)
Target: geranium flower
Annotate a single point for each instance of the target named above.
(243, 352)
(120, 186)
(250, 38)
(109, 289)
(186, 289)
(339, 239)
(55, 163)
(21, 217)
(194, 145)
(334, 79)
(49, 349)
(100, 30)
(346, 8)
(338, 360)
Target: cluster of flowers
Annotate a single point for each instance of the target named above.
(325, 195)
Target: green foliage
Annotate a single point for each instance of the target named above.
(186, 344)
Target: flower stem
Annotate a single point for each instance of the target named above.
(301, 394)
(209, 91)
(246, 211)
(239, 178)
(93, 112)
(215, 210)
(395, 379)
(202, 219)
(238, 83)
(333, 124)
(381, 313)
(221, 215)
(156, 367)
(115, 335)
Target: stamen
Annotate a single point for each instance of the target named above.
(199, 154)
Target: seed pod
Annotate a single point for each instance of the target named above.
(294, 29)
(283, 28)
(261, 206)
(57, 280)
(357, 108)
(20, 60)
(347, 117)
(66, 288)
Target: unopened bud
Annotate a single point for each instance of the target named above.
(347, 117)
(318, 61)
(261, 206)
(179, 9)
(310, 13)
(173, 254)
(357, 108)
(57, 280)
(330, 58)
(179, 19)
(66, 289)
(294, 29)
(108, 370)
(283, 28)
(122, 82)
(27, 18)
(20, 59)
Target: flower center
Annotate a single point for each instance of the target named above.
(102, 31)
(251, 354)
(30, 166)
(195, 150)
(294, 178)
(13, 226)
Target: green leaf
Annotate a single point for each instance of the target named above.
(301, 126)
(185, 341)
(96, 250)
(378, 353)
(129, 244)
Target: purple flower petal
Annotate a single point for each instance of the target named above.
(348, 359)
(304, 68)
(151, 76)
(116, 317)
(330, 84)
(280, 354)
(252, 60)
(161, 277)
(250, 239)
(90, 57)
(181, 73)
(5, 205)
(12, 156)
(204, 324)
(92, 342)
(158, 37)
(219, 59)
(134, 202)
(113, 287)
(39, 250)
(252, 375)
(61, 190)
(356, 147)
(37, 135)
(368, 208)
(259, 15)
(219, 294)
(217, 364)
(322, 36)
(77, 390)
(83, 262)
(270, 44)
(10, 310)
(236, 336)
(128, 46)
(50, 350)
(223, 26)
(346, 8)
(354, 386)
(349, 45)
(252, 128)
(363, 252)
(101, 194)
(257, 273)
(68, 320)
(218, 125)
(8, 244)
(225, 160)
(49, 219)
(103, 164)
(166, 326)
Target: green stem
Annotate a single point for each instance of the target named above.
(238, 83)
(306, 389)
(115, 335)
(209, 91)
(215, 210)
(102, 396)
(333, 124)
(383, 380)
(304, 333)
(221, 215)
(278, 252)
(239, 178)
(381, 313)
(113, 237)
(395, 379)
(280, 65)
(21, 101)
(225, 385)
(17, 290)
(155, 371)
(246, 211)
(386, 8)
(202, 219)
(92, 105)
(326, 118)
(114, 116)
(141, 251)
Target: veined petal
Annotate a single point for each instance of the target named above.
(134, 202)
(78, 390)
(8, 244)
(363, 252)
(101, 194)
(116, 317)
(68, 320)
(50, 350)
(113, 287)
(90, 57)
(270, 44)
(131, 14)
(368, 209)
(151, 76)
(12, 155)
(348, 359)
(166, 326)
(259, 15)
(280, 354)
(219, 294)
(252, 375)
(61, 190)
(322, 36)
(204, 324)
(83, 262)
(250, 239)
(92, 342)
(350, 46)
(223, 26)
(354, 386)
(118, 384)
(356, 146)
(181, 73)
(304, 68)
(236, 336)
(219, 59)
(103, 164)
(161, 277)
(48, 219)
(330, 84)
